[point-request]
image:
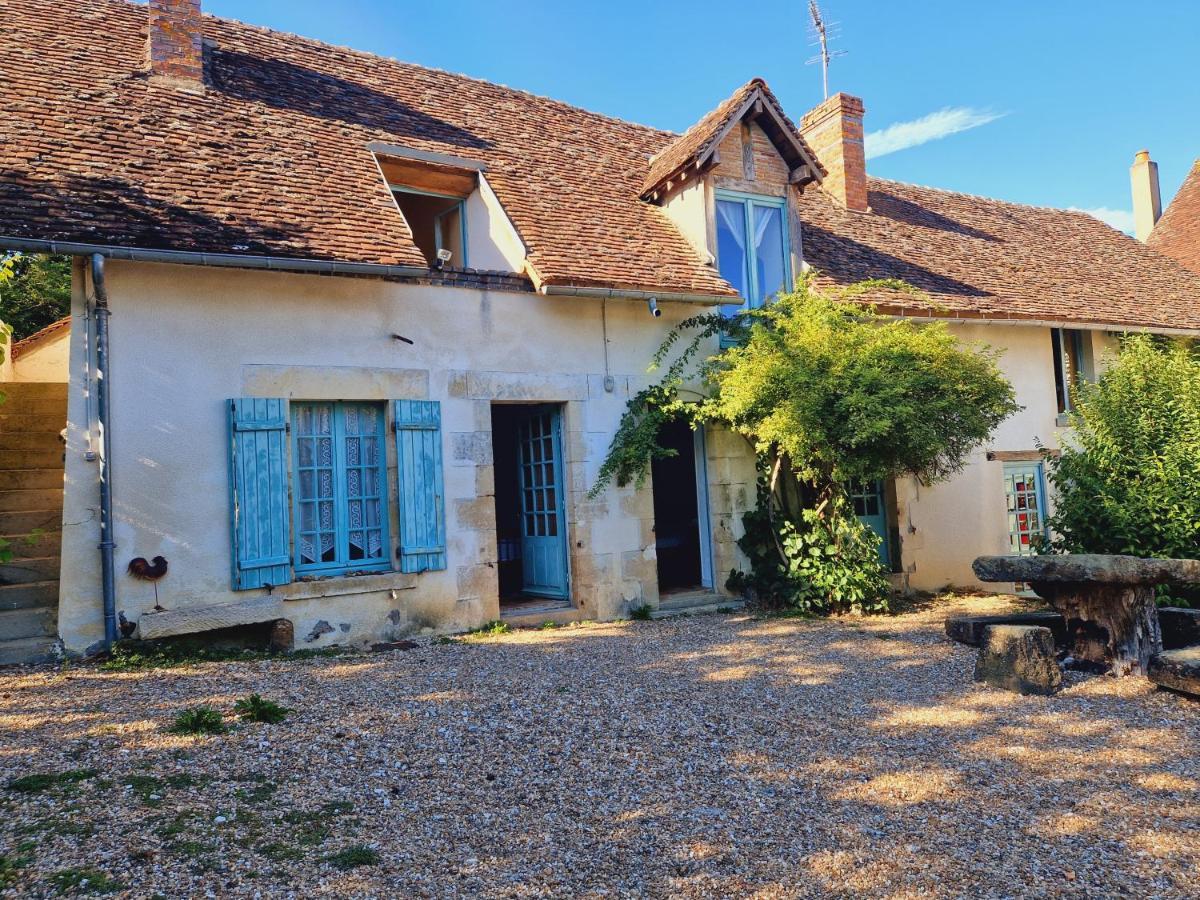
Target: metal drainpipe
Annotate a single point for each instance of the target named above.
(106, 545)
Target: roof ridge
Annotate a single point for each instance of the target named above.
(263, 29)
(997, 200)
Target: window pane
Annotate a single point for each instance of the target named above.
(769, 261)
(731, 244)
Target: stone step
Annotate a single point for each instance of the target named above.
(25, 479)
(30, 651)
(30, 622)
(15, 422)
(35, 406)
(32, 440)
(30, 569)
(532, 617)
(15, 460)
(42, 498)
(720, 603)
(32, 595)
(1178, 670)
(34, 390)
(34, 545)
(24, 521)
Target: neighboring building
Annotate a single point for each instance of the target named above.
(1176, 232)
(373, 327)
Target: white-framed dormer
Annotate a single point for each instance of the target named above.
(734, 195)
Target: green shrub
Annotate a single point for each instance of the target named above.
(200, 720)
(828, 564)
(255, 709)
(641, 613)
(490, 629)
(1128, 480)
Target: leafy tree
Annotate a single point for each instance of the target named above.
(828, 393)
(1128, 481)
(35, 290)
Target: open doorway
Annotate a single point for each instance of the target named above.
(681, 512)
(531, 526)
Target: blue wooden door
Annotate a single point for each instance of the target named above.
(870, 506)
(543, 522)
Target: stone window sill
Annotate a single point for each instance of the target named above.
(343, 585)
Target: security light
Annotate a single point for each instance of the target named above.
(653, 304)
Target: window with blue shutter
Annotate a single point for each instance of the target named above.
(419, 471)
(339, 488)
(260, 526)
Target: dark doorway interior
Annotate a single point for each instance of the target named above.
(508, 499)
(676, 516)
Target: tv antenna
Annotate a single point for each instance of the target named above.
(824, 33)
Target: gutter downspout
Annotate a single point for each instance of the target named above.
(106, 545)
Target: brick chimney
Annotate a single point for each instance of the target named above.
(834, 131)
(1147, 204)
(175, 48)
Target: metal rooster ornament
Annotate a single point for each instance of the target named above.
(151, 571)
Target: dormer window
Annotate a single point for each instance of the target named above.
(438, 223)
(752, 246)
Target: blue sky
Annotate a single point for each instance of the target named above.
(1054, 97)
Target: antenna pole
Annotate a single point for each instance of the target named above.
(824, 34)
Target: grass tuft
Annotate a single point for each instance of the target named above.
(138, 656)
(354, 856)
(44, 781)
(200, 720)
(490, 629)
(84, 881)
(255, 709)
(641, 613)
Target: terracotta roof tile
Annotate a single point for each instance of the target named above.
(272, 159)
(1177, 233)
(984, 258)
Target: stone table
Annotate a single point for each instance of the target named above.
(1108, 601)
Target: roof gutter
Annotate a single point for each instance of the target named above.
(1040, 323)
(567, 290)
(227, 260)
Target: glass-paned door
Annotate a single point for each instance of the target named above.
(1025, 498)
(543, 519)
(870, 506)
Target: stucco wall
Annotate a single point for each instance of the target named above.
(943, 527)
(46, 361)
(184, 339)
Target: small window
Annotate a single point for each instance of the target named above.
(1072, 364)
(438, 223)
(339, 461)
(752, 246)
(1025, 497)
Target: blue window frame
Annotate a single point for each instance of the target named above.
(753, 249)
(1025, 499)
(339, 465)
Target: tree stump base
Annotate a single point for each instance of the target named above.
(1112, 626)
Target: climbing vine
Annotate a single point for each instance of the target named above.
(828, 393)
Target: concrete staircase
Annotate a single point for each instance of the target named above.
(31, 503)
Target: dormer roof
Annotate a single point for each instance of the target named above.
(695, 150)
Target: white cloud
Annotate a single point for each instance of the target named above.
(932, 127)
(1120, 219)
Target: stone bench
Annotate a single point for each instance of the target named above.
(1108, 602)
(969, 629)
(1018, 658)
(1178, 670)
(196, 619)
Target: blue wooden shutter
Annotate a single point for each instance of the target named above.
(419, 470)
(260, 514)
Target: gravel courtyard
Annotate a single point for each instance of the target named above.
(720, 755)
